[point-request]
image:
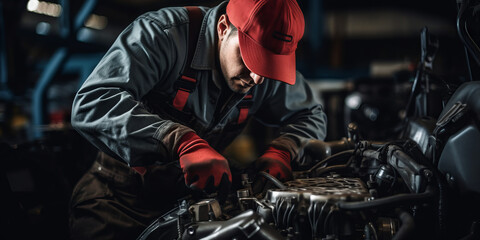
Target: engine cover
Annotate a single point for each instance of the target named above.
(315, 190)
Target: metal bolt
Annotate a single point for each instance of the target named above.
(242, 193)
(191, 230)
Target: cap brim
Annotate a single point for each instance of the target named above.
(265, 63)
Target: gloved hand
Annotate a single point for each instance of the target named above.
(276, 162)
(203, 167)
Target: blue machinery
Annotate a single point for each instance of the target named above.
(57, 61)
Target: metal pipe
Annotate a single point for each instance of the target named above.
(404, 198)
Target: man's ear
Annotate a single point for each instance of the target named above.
(223, 25)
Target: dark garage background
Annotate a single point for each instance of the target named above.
(351, 50)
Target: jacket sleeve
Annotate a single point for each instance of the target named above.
(107, 109)
(297, 112)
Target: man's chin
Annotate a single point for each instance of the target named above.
(238, 88)
(242, 90)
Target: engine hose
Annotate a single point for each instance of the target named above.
(465, 36)
(321, 171)
(407, 228)
(404, 198)
(331, 168)
(336, 156)
(273, 179)
(156, 226)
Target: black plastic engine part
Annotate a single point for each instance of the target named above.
(248, 225)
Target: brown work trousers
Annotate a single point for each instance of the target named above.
(112, 201)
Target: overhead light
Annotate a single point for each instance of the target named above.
(32, 5)
(96, 22)
(353, 101)
(45, 8)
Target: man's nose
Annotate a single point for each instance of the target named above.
(257, 79)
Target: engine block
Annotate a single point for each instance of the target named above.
(332, 189)
(309, 205)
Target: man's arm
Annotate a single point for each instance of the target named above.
(107, 109)
(297, 112)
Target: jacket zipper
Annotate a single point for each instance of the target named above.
(225, 109)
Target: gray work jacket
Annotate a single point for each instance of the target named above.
(124, 106)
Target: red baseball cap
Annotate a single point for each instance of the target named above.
(268, 33)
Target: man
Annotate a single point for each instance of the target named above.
(161, 122)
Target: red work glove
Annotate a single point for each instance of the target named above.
(203, 167)
(276, 162)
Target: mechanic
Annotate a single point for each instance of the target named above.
(175, 88)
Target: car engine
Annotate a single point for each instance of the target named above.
(374, 191)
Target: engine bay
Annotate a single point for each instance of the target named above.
(373, 191)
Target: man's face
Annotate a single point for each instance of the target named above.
(237, 76)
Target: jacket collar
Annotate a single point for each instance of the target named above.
(204, 57)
